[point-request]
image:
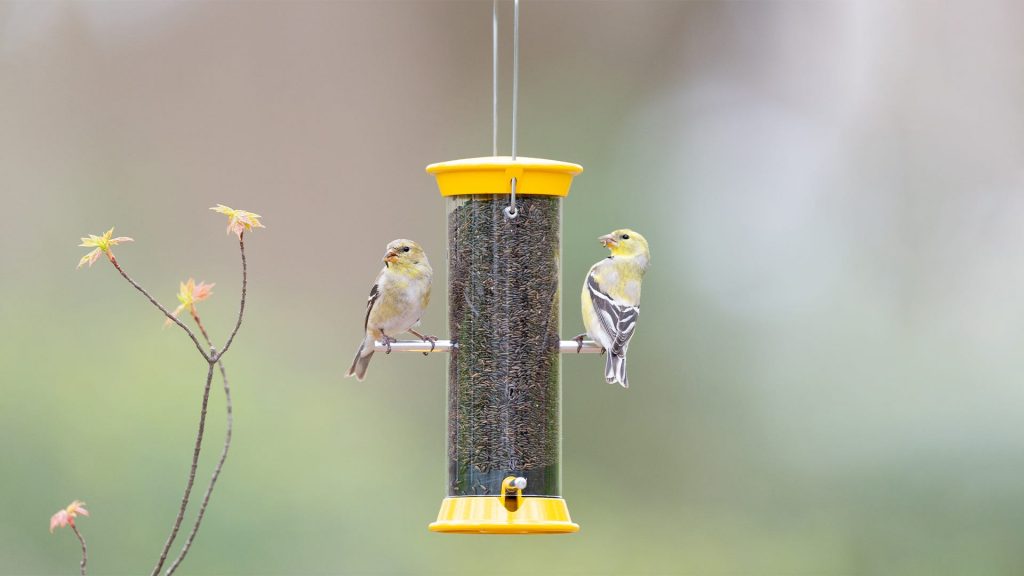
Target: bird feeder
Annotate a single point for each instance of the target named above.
(504, 371)
(504, 374)
(504, 317)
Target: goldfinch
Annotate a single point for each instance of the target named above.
(611, 299)
(397, 300)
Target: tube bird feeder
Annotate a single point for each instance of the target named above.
(504, 318)
(504, 374)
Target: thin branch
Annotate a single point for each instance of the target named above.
(220, 463)
(85, 553)
(162, 309)
(191, 474)
(241, 305)
(202, 329)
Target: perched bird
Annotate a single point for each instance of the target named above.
(611, 299)
(397, 300)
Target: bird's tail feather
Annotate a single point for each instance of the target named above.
(615, 369)
(362, 360)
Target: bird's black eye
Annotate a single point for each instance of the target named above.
(624, 236)
(405, 249)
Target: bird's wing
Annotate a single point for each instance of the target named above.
(616, 319)
(374, 294)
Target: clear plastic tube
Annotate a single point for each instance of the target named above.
(504, 376)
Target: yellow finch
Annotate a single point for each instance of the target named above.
(611, 299)
(397, 300)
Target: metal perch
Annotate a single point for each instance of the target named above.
(565, 346)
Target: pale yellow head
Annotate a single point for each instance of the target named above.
(404, 253)
(626, 243)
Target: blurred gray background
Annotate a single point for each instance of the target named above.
(825, 379)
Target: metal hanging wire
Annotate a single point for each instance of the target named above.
(510, 211)
(494, 78)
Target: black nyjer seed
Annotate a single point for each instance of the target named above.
(504, 379)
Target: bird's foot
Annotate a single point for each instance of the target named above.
(431, 339)
(387, 341)
(433, 343)
(579, 342)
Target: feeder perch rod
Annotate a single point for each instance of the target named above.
(565, 346)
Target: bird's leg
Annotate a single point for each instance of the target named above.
(387, 341)
(431, 339)
(579, 342)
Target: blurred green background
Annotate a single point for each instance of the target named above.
(825, 379)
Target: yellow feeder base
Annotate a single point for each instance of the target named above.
(489, 515)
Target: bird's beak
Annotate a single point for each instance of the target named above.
(391, 256)
(608, 241)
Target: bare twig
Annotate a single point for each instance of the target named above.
(212, 357)
(170, 316)
(241, 305)
(85, 553)
(220, 464)
(192, 471)
(202, 329)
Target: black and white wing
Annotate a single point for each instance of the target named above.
(374, 294)
(365, 350)
(618, 321)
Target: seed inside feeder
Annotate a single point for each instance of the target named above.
(504, 376)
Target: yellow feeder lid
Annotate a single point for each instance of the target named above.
(494, 174)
